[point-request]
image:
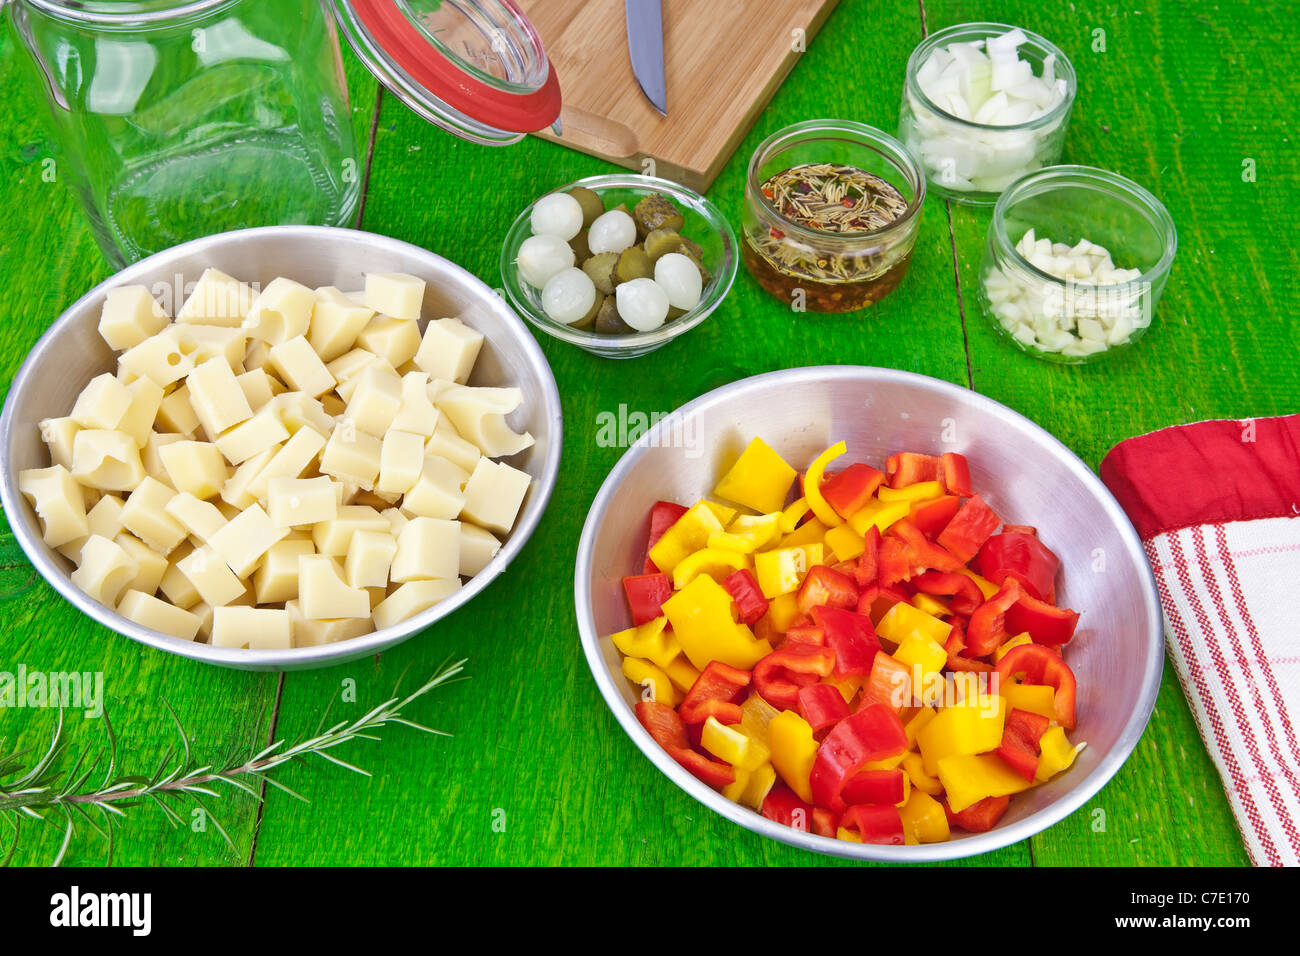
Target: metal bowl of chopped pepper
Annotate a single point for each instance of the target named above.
(1024, 474)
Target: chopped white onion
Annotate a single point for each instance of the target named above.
(1096, 308)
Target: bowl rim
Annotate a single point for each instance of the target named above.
(710, 298)
(41, 556)
(998, 837)
(990, 28)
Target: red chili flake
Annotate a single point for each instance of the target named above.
(769, 194)
(776, 233)
(847, 203)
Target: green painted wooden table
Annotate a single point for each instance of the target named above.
(1175, 95)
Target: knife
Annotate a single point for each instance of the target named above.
(645, 44)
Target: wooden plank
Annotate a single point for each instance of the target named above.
(723, 62)
(1164, 100)
(532, 736)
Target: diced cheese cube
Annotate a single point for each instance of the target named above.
(200, 519)
(102, 403)
(145, 516)
(58, 502)
(300, 367)
(104, 571)
(333, 538)
(281, 312)
(235, 494)
(439, 492)
(212, 578)
(178, 588)
(254, 628)
(217, 299)
(258, 387)
(216, 397)
(245, 538)
(276, 580)
(449, 350)
(394, 293)
(176, 414)
(477, 547)
(322, 593)
(400, 460)
(446, 442)
(291, 459)
(394, 340)
(254, 436)
(146, 400)
(151, 455)
(494, 494)
(370, 555)
(375, 401)
(130, 315)
(195, 467)
(59, 434)
(301, 501)
(336, 321)
(150, 565)
(479, 416)
(411, 599)
(312, 633)
(147, 611)
(351, 455)
(417, 413)
(427, 548)
(107, 460)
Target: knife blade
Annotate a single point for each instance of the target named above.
(645, 45)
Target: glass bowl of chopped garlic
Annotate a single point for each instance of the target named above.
(1075, 262)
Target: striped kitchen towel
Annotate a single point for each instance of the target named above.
(1217, 505)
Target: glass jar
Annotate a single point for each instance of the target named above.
(180, 119)
(1059, 311)
(813, 269)
(971, 162)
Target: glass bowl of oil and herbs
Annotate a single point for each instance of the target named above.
(831, 213)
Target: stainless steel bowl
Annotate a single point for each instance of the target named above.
(72, 352)
(1024, 473)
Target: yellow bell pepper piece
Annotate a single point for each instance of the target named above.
(761, 782)
(688, 534)
(918, 721)
(987, 587)
(970, 778)
(923, 655)
(733, 745)
(714, 562)
(811, 531)
(793, 751)
(931, 605)
(848, 686)
(965, 685)
(902, 621)
(845, 543)
(1016, 641)
(782, 611)
(812, 481)
(755, 716)
(647, 675)
(849, 836)
(914, 767)
(889, 763)
(724, 514)
(921, 491)
(882, 514)
(681, 673)
(736, 789)
(747, 533)
(1035, 698)
(649, 641)
(782, 571)
(760, 479)
(923, 819)
(1056, 753)
(973, 726)
(792, 515)
(701, 617)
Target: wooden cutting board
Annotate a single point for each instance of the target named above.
(723, 62)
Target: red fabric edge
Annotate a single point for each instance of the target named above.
(1207, 473)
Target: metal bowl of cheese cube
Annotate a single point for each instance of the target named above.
(1025, 474)
(404, 424)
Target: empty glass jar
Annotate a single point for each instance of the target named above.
(180, 118)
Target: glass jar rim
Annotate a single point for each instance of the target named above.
(893, 150)
(147, 12)
(1102, 181)
(987, 26)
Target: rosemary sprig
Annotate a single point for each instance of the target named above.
(44, 793)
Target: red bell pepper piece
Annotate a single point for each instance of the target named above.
(1020, 529)
(666, 727)
(972, 526)
(646, 594)
(955, 644)
(878, 823)
(826, 587)
(890, 683)
(805, 634)
(907, 468)
(964, 594)
(988, 625)
(873, 733)
(933, 516)
(822, 705)
(825, 823)
(1020, 556)
(744, 590)
(1020, 736)
(874, 786)
(907, 552)
(779, 676)
(866, 573)
(784, 806)
(847, 567)
(714, 694)
(1043, 665)
(852, 637)
(850, 489)
(954, 472)
(876, 601)
(979, 817)
(663, 516)
(1046, 623)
